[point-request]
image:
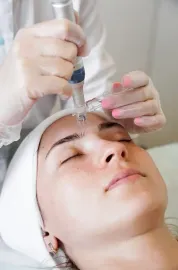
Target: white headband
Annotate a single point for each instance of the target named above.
(20, 217)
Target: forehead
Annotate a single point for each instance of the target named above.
(67, 126)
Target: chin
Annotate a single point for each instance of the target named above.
(141, 194)
(141, 204)
(141, 215)
(147, 209)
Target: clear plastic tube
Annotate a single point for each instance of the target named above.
(95, 103)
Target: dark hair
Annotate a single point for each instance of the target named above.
(69, 265)
(65, 262)
(62, 260)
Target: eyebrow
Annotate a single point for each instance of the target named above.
(76, 136)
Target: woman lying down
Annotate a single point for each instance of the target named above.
(90, 200)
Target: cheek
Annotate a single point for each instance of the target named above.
(73, 200)
(154, 175)
(143, 161)
(78, 175)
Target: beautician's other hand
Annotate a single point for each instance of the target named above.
(138, 109)
(40, 63)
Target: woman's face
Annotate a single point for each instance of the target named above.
(96, 187)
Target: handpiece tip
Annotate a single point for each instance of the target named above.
(82, 121)
(81, 118)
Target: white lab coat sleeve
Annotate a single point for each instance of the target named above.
(9, 134)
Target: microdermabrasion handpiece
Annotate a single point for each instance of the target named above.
(64, 9)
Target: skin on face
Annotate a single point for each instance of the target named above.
(72, 185)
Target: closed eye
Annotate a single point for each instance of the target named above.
(79, 155)
(74, 156)
(125, 140)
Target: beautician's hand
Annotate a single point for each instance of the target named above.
(40, 63)
(138, 109)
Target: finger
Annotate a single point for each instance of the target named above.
(46, 85)
(124, 98)
(55, 67)
(31, 47)
(136, 110)
(84, 50)
(156, 121)
(63, 29)
(56, 47)
(47, 66)
(135, 79)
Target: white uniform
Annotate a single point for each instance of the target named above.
(15, 14)
(99, 67)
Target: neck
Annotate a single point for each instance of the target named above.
(156, 249)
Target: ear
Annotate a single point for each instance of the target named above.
(51, 242)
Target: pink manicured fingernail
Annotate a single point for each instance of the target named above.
(118, 113)
(138, 121)
(127, 81)
(115, 113)
(106, 103)
(116, 85)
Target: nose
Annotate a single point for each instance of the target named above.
(113, 152)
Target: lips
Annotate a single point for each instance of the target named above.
(126, 174)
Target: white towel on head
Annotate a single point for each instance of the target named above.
(20, 219)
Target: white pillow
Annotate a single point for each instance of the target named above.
(12, 260)
(166, 159)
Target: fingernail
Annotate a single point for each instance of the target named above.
(138, 121)
(116, 85)
(114, 114)
(117, 113)
(106, 104)
(127, 81)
